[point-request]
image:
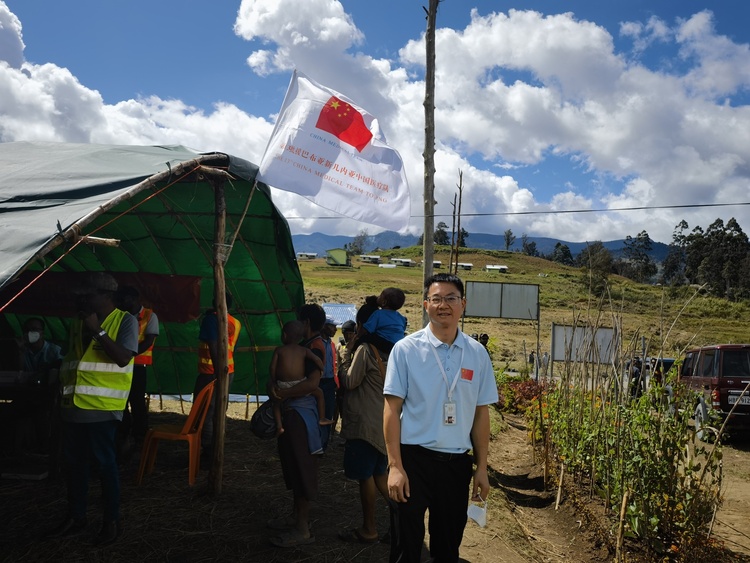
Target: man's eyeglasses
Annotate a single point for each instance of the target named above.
(450, 300)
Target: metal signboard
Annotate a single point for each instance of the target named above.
(502, 300)
(583, 344)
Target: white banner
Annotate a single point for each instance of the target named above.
(332, 152)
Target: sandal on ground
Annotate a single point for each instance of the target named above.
(291, 538)
(353, 535)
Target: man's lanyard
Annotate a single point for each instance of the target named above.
(451, 386)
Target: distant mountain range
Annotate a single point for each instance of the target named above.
(320, 243)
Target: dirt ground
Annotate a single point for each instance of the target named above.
(733, 518)
(166, 520)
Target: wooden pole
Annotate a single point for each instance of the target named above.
(453, 233)
(428, 242)
(221, 369)
(621, 528)
(460, 187)
(546, 459)
(538, 343)
(560, 485)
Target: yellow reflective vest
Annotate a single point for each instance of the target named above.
(90, 379)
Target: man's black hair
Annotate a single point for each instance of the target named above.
(314, 313)
(128, 291)
(38, 319)
(444, 278)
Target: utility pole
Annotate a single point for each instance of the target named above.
(453, 233)
(429, 149)
(460, 187)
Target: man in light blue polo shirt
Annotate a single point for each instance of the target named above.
(438, 386)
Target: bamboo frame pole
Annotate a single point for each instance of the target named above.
(221, 369)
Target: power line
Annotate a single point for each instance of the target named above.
(560, 211)
(605, 210)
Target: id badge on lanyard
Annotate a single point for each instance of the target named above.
(450, 412)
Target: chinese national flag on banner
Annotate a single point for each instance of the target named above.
(342, 120)
(326, 148)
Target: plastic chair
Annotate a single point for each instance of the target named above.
(190, 432)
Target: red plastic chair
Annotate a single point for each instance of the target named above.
(190, 432)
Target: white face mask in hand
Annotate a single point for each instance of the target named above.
(478, 513)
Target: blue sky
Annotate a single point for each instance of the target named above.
(550, 107)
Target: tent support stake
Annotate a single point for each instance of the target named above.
(221, 369)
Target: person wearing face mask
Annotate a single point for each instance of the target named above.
(32, 414)
(38, 354)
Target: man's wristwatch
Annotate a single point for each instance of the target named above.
(100, 334)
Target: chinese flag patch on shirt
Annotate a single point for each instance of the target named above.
(467, 374)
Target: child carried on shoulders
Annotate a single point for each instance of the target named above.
(386, 325)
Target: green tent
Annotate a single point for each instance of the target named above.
(147, 215)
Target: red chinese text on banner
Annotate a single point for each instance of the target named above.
(329, 150)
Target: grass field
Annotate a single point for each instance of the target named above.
(669, 319)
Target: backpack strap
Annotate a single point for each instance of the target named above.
(376, 353)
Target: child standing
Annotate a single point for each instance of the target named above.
(288, 369)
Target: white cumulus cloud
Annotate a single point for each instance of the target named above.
(514, 92)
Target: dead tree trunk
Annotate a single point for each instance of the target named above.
(428, 240)
(453, 234)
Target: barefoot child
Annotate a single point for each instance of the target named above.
(288, 368)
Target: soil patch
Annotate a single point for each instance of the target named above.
(166, 520)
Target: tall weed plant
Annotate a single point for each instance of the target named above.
(642, 449)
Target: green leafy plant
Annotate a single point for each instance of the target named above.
(645, 449)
